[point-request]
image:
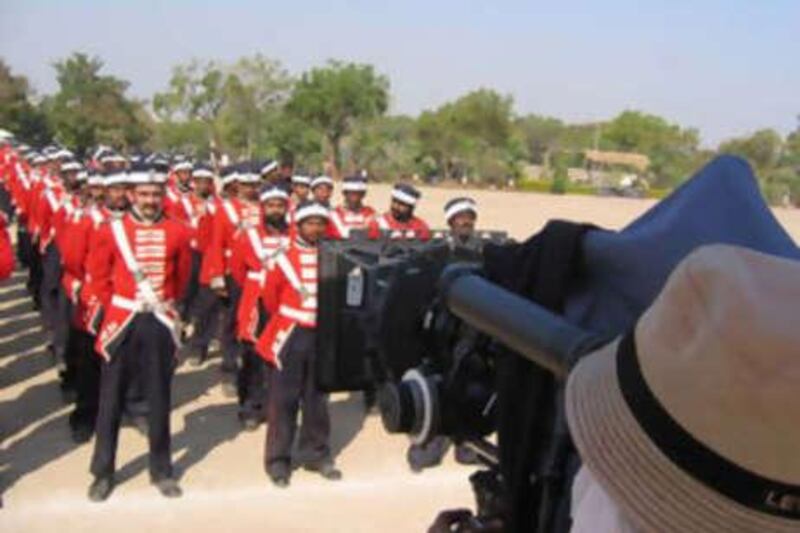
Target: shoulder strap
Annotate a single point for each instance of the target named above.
(97, 216)
(288, 271)
(343, 230)
(51, 199)
(383, 223)
(189, 208)
(233, 215)
(23, 177)
(255, 242)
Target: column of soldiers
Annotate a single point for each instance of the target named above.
(131, 258)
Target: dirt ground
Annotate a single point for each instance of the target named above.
(44, 477)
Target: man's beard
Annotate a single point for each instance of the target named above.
(403, 216)
(276, 221)
(120, 206)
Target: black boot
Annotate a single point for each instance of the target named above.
(101, 489)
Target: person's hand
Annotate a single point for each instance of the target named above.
(463, 521)
(221, 292)
(218, 286)
(450, 520)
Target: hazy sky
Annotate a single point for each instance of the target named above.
(727, 67)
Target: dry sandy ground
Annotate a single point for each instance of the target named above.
(44, 477)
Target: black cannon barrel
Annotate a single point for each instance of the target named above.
(523, 326)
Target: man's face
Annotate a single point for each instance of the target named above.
(203, 187)
(274, 211)
(248, 191)
(285, 171)
(300, 191)
(231, 189)
(184, 176)
(401, 211)
(322, 193)
(114, 166)
(312, 229)
(117, 197)
(97, 194)
(70, 179)
(353, 200)
(462, 225)
(148, 199)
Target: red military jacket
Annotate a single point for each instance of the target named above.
(173, 198)
(290, 297)
(161, 249)
(414, 228)
(258, 247)
(79, 239)
(6, 252)
(39, 184)
(231, 216)
(69, 213)
(195, 213)
(343, 220)
(49, 203)
(19, 185)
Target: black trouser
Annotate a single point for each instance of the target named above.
(147, 349)
(35, 275)
(290, 387)
(252, 384)
(48, 291)
(63, 340)
(205, 316)
(87, 380)
(6, 206)
(24, 247)
(192, 289)
(231, 347)
(253, 377)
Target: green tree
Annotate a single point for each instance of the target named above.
(238, 103)
(91, 108)
(762, 148)
(196, 93)
(541, 137)
(17, 113)
(334, 97)
(384, 146)
(671, 149)
(471, 136)
(256, 90)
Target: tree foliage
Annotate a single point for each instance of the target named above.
(17, 113)
(332, 98)
(91, 108)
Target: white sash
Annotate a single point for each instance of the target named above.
(233, 216)
(187, 206)
(344, 231)
(383, 224)
(142, 281)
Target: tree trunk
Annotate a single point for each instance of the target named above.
(336, 154)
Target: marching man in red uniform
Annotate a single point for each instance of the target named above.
(138, 271)
(179, 192)
(81, 238)
(232, 215)
(288, 344)
(353, 214)
(258, 246)
(322, 190)
(400, 222)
